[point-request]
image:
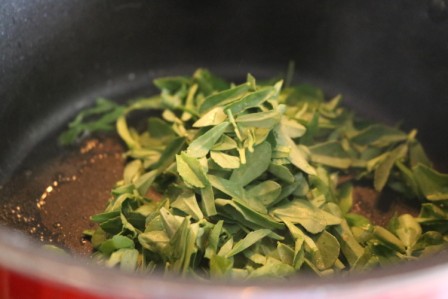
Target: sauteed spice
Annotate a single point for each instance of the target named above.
(256, 180)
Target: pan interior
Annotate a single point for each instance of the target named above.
(54, 191)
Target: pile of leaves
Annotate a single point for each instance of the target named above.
(255, 180)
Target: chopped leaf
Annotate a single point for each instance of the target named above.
(249, 240)
(116, 242)
(266, 120)
(433, 184)
(388, 239)
(266, 192)
(253, 99)
(281, 172)
(255, 181)
(224, 160)
(346, 197)
(191, 170)
(223, 97)
(379, 136)
(256, 164)
(212, 118)
(330, 154)
(187, 203)
(408, 231)
(302, 212)
(233, 189)
(202, 145)
(328, 250)
(384, 168)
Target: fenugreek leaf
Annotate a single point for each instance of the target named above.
(433, 184)
(379, 136)
(251, 100)
(223, 97)
(191, 170)
(301, 212)
(265, 186)
(224, 160)
(250, 239)
(202, 145)
(256, 164)
(266, 120)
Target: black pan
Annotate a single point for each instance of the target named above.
(388, 58)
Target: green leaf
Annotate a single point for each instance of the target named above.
(213, 240)
(256, 164)
(285, 253)
(191, 170)
(208, 82)
(127, 258)
(123, 131)
(233, 189)
(102, 217)
(144, 182)
(107, 113)
(312, 129)
(220, 266)
(297, 157)
(388, 239)
(282, 172)
(430, 211)
(187, 203)
(132, 221)
(223, 97)
(351, 249)
(241, 213)
(429, 238)
(331, 154)
(208, 200)
(328, 251)
(432, 217)
(171, 223)
(346, 197)
(225, 161)
(158, 128)
(433, 184)
(169, 154)
(274, 270)
(132, 170)
(266, 192)
(155, 241)
(417, 155)
(251, 100)
(116, 242)
(292, 128)
(382, 172)
(112, 226)
(358, 221)
(202, 144)
(211, 118)
(408, 231)
(299, 211)
(183, 244)
(409, 179)
(266, 120)
(379, 136)
(225, 143)
(250, 239)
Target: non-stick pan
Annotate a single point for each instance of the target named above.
(388, 58)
